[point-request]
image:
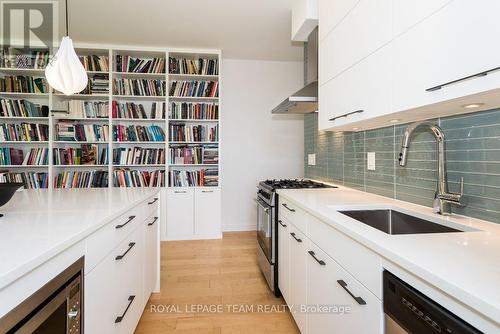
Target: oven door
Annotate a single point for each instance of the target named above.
(265, 219)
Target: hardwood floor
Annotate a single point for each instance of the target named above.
(207, 285)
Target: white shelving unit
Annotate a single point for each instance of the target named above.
(52, 99)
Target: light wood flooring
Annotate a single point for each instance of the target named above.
(223, 279)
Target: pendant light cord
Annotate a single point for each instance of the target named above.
(67, 22)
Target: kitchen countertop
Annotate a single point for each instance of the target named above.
(39, 224)
(463, 265)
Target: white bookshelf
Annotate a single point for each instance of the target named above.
(53, 99)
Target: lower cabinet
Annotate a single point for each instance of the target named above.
(151, 256)
(193, 214)
(298, 277)
(322, 296)
(284, 258)
(336, 300)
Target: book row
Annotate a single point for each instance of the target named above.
(151, 133)
(23, 84)
(81, 179)
(86, 109)
(19, 58)
(190, 110)
(24, 132)
(139, 87)
(200, 178)
(139, 65)
(87, 154)
(22, 108)
(95, 63)
(137, 110)
(98, 84)
(193, 133)
(72, 131)
(13, 156)
(31, 180)
(194, 155)
(135, 178)
(194, 88)
(198, 66)
(138, 156)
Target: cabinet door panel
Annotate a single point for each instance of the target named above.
(444, 48)
(408, 13)
(284, 258)
(151, 254)
(331, 13)
(366, 86)
(207, 215)
(180, 217)
(367, 28)
(298, 277)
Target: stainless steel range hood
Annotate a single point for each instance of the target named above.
(305, 100)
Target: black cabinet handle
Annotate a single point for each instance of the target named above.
(345, 115)
(120, 318)
(289, 209)
(477, 75)
(130, 245)
(321, 262)
(297, 239)
(153, 201)
(128, 221)
(343, 284)
(153, 222)
(281, 223)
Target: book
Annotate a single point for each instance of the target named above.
(124, 177)
(190, 110)
(87, 109)
(200, 66)
(180, 132)
(151, 133)
(194, 88)
(139, 87)
(138, 156)
(24, 132)
(81, 179)
(67, 130)
(138, 111)
(95, 63)
(31, 180)
(22, 108)
(11, 57)
(194, 178)
(23, 84)
(139, 65)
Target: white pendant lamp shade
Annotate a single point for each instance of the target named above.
(65, 72)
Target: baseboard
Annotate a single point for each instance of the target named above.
(239, 228)
(194, 237)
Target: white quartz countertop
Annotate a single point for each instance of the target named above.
(464, 265)
(39, 224)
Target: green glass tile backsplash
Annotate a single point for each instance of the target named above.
(472, 152)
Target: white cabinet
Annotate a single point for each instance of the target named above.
(453, 43)
(180, 213)
(207, 213)
(151, 255)
(367, 28)
(298, 277)
(304, 19)
(362, 92)
(284, 258)
(331, 13)
(359, 311)
(408, 13)
(193, 213)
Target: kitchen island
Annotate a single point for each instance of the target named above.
(45, 231)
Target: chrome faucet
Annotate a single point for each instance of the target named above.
(443, 198)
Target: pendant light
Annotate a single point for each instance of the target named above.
(65, 72)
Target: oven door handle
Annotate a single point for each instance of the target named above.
(262, 204)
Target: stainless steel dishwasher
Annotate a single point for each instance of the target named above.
(409, 311)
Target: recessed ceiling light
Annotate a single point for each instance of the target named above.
(473, 105)
(394, 120)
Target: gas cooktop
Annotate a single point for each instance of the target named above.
(293, 184)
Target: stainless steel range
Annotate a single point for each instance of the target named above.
(267, 220)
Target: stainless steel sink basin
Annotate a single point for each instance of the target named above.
(395, 222)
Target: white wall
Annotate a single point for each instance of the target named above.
(256, 145)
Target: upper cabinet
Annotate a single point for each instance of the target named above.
(304, 19)
(393, 60)
(331, 13)
(366, 28)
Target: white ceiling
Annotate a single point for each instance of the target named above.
(251, 29)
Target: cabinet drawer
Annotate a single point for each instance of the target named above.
(293, 214)
(151, 205)
(358, 260)
(151, 255)
(111, 279)
(109, 236)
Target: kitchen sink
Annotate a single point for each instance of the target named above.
(395, 222)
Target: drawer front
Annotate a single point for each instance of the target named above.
(100, 243)
(358, 260)
(293, 214)
(151, 255)
(129, 297)
(151, 205)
